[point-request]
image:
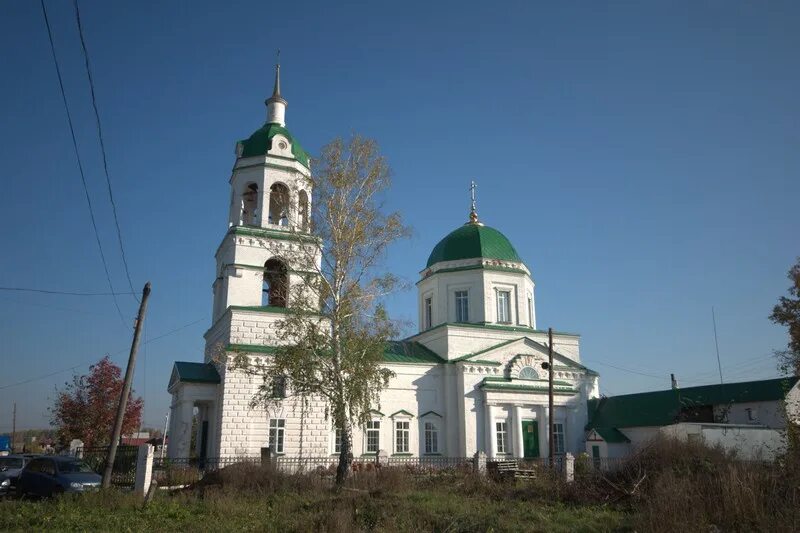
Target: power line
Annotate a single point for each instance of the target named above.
(78, 157)
(79, 365)
(627, 370)
(102, 145)
(63, 293)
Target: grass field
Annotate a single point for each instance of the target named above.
(668, 487)
(432, 509)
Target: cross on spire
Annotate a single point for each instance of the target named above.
(473, 214)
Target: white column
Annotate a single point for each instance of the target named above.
(264, 215)
(544, 420)
(491, 440)
(202, 414)
(181, 438)
(516, 432)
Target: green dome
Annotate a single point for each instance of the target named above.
(260, 142)
(472, 241)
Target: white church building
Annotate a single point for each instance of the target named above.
(471, 379)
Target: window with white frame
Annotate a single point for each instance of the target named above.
(558, 438)
(501, 431)
(428, 313)
(277, 427)
(373, 435)
(431, 438)
(504, 306)
(337, 441)
(402, 431)
(462, 306)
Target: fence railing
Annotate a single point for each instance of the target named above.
(184, 471)
(124, 472)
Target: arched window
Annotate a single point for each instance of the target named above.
(250, 204)
(528, 372)
(276, 284)
(279, 204)
(303, 208)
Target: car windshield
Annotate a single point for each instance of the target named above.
(7, 463)
(67, 467)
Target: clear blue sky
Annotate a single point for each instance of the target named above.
(643, 159)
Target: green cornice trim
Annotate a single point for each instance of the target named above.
(500, 379)
(474, 267)
(401, 412)
(253, 348)
(481, 362)
(376, 412)
(504, 384)
(255, 231)
(261, 268)
(430, 413)
(402, 455)
(572, 368)
(498, 387)
(261, 308)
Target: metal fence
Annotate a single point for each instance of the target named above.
(185, 471)
(124, 472)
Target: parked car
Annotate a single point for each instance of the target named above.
(10, 468)
(46, 476)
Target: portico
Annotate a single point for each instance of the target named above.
(194, 388)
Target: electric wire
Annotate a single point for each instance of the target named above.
(78, 157)
(662, 377)
(85, 363)
(62, 293)
(102, 145)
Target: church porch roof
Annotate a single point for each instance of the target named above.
(188, 372)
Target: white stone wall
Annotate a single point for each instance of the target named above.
(454, 341)
(241, 326)
(769, 414)
(245, 429)
(749, 442)
(481, 285)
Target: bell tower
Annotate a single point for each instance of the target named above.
(268, 221)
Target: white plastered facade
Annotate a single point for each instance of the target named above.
(476, 385)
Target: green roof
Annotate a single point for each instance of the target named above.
(196, 372)
(612, 435)
(472, 241)
(260, 142)
(395, 352)
(409, 352)
(662, 408)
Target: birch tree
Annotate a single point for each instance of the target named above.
(332, 337)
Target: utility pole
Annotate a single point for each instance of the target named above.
(14, 428)
(716, 344)
(126, 389)
(164, 436)
(550, 414)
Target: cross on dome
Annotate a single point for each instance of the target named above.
(473, 213)
(276, 104)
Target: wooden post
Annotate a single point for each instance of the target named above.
(550, 413)
(126, 389)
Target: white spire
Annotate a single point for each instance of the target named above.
(276, 105)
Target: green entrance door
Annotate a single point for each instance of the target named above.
(530, 438)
